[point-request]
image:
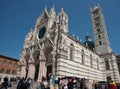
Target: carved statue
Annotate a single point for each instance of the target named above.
(42, 56)
(29, 36)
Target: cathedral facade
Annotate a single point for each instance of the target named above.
(49, 48)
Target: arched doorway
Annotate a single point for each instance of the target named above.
(48, 56)
(36, 64)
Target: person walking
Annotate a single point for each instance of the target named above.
(22, 84)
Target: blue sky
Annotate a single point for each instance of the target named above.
(17, 17)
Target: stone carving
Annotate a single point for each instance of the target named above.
(31, 60)
(41, 56)
(63, 20)
(43, 18)
(52, 18)
(28, 39)
(29, 36)
(22, 62)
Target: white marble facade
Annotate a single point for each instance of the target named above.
(49, 48)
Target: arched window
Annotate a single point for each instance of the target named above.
(7, 71)
(97, 64)
(71, 51)
(107, 64)
(100, 42)
(83, 57)
(2, 70)
(4, 62)
(91, 61)
(49, 57)
(98, 30)
(13, 72)
(99, 36)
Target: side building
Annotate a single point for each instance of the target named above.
(8, 67)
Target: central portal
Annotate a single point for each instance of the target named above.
(36, 65)
(36, 72)
(49, 57)
(49, 71)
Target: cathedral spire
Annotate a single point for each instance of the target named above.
(63, 20)
(42, 17)
(45, 12)
(62, 10)
(45, 8)
(53, 12)
(52, 17)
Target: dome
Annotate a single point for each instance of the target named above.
(89, 43)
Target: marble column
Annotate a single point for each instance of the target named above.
(53, 62)
(42, 67)
(31, 70)
(23, 71)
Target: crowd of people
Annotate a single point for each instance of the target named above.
(25, 83)
(106, 85)
(54, 82)
(75, 83)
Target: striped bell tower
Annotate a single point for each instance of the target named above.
(102, 44)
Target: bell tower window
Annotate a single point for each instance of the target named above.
(83, 57)
(99, 36)
(97, 24)
(98, 30)
(97, 19)
(107, 64)
(95, 13)
(100, 42)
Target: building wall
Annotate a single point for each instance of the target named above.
(8, 66)
(118, 62)
(90, 69)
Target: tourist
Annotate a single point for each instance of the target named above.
(42, 85)
(56, 83)
(6, 83)
(112, 85)
(118, 85)
(45, 82)
(22, 84)
(52, 82)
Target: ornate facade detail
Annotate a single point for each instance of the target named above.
(42, 56)
(31, 60)
(52, 17)
(42, 18)
(63, 21)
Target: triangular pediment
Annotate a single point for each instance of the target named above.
(43, 18)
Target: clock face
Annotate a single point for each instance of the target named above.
(42, 33)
